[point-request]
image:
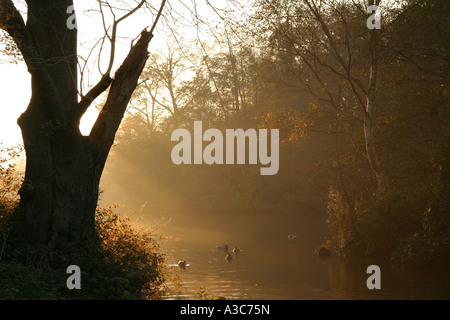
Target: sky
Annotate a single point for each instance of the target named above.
(15, 85)
(15, 95)
(15, 81)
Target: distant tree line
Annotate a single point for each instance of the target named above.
(363, 117)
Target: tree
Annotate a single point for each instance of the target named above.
(335, 57)
(59, 195)
(235, 75)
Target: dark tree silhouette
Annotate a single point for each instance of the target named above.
(59, 195)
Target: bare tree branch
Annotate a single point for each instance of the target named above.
(106, 79)
(123, 86)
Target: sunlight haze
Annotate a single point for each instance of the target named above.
(229, 150)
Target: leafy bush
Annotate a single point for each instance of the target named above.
(374, 226)
(121, 263)
(407, 225)
(131, 254)
(431, 243)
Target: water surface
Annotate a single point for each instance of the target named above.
(271, 267)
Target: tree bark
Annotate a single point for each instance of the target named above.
(369, 115)
(58, 198)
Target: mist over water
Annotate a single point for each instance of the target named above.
(237, 125)
(269, 265)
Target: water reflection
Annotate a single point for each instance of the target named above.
(275, 267)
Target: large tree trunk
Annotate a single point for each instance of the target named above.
(59, 195)
(52, 142)
(60, 192)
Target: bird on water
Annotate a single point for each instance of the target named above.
(229, 257)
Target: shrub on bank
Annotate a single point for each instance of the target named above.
(121, 263)
(405, 224)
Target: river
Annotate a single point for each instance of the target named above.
(272, 267)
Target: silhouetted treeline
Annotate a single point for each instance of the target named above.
(367, 152)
